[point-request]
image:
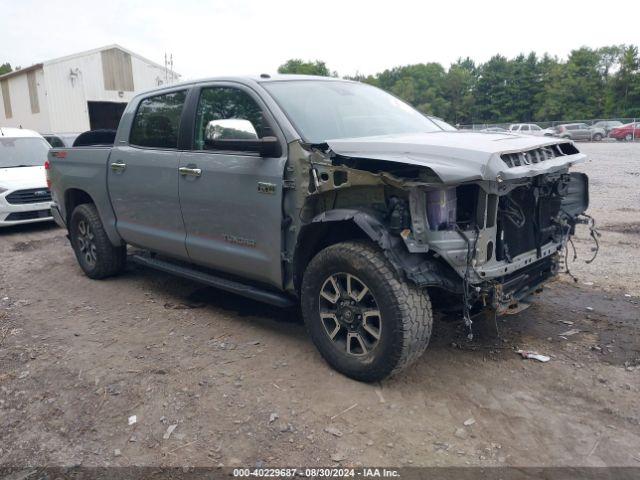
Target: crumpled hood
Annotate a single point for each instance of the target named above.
(456, 156)
(23, 177)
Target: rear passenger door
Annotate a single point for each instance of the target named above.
(143, 176)
(232, 200)
(583, 132)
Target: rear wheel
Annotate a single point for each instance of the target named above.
(597, 137)
(366, 322)
(95, 253)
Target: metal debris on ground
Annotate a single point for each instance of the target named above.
(273, 417)
(534, 355)
(469, 421)
(133, 419)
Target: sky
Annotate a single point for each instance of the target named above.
(235, 37)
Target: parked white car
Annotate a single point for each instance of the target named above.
(24, 196)
(526, 129)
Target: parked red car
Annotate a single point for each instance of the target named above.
(626, 132)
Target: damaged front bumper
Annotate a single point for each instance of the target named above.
(502, 294)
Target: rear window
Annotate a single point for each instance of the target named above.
(23, 152)
(55, 142)
(157, 121)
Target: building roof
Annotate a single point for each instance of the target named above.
(20, 71)
(83, 54)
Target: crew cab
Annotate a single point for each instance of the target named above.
(325, 193)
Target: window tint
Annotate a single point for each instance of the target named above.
(157, 121)
(55, 142)
(524, 128)
(226, 113)
(535, 128)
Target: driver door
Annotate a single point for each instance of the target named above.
(232, 200)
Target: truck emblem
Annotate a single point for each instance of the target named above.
(246, 242)
(267, 188)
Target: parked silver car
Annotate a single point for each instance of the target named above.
(580, 131)
(607, 125)
(526, 129)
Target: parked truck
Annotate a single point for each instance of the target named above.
(328, 194)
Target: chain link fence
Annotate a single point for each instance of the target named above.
(608, 129)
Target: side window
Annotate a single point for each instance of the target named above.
(227, 113)
(157, 121)
(524, 128)
(535, 128)
(55, 142)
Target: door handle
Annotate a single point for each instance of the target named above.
(195, 172)
(118, 166)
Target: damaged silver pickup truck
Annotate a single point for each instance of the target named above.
(326, 193)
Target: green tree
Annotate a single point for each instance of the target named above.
(625, 85)
(5, 68)
(296, 65)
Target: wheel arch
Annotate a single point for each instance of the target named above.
(77, 196)
(74, 197)
(340, 225)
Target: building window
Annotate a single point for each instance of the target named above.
(116, 70)
(157, 121)
(33, 92)
(6, 98)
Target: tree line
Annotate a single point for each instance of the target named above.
(591, 83)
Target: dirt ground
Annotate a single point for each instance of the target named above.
(244, 386)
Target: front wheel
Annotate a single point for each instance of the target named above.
(628, 137)
(366, 322)
(95, 253)
(597, 137)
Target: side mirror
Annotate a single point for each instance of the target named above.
(239, 136)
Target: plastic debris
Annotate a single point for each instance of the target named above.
(469, 421)
(273, 417)
(169, 431)
(590, 309)
(333, 431)
(133, 419)
(534, 355)
(568, 333)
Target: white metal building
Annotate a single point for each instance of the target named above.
(84, 91)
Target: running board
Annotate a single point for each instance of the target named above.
(255, 293)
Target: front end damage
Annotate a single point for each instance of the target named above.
(486, 225)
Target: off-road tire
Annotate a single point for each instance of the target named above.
(109, 260)
(406, 315)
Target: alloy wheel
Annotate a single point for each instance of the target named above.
(349, 314)
(86, 243)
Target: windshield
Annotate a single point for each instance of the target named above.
(325, 110)
(22, 152)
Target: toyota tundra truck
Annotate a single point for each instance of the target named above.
(326, 194)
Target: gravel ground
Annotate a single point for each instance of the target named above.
(214, 379)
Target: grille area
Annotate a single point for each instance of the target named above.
(32, 195)
(15, 216)
(537, 155)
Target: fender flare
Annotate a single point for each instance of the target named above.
(422, 269)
